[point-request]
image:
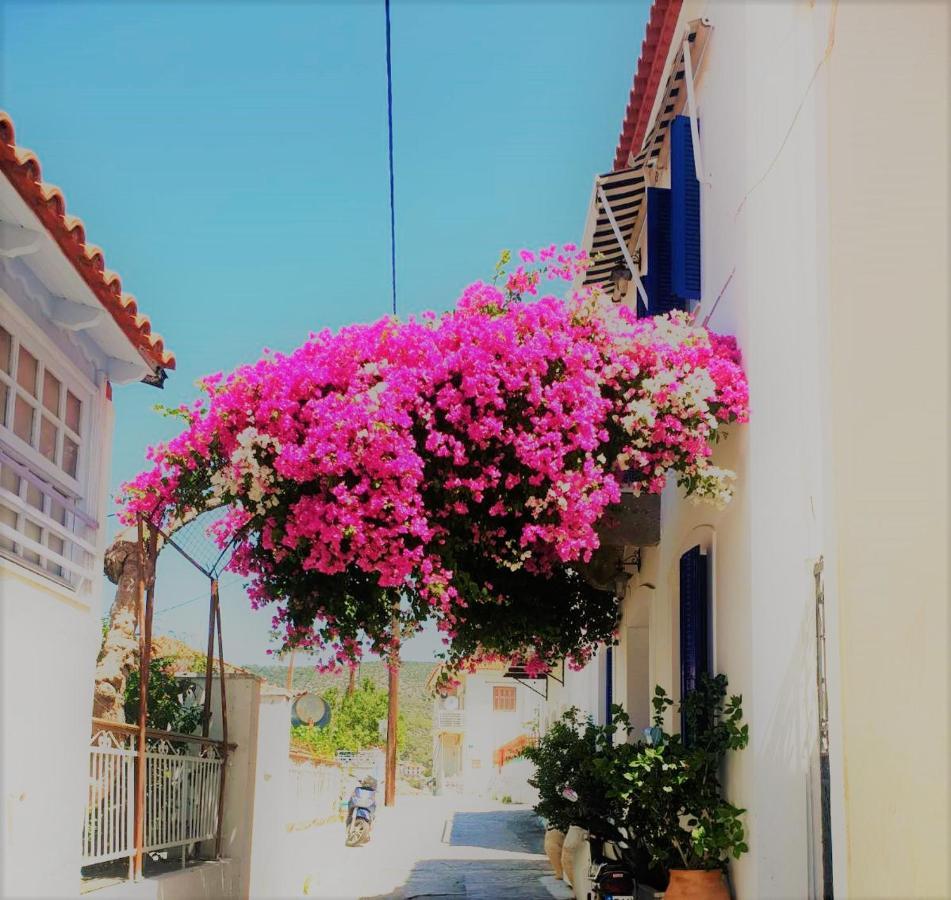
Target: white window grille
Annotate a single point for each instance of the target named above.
(42, 423)
(450, 720)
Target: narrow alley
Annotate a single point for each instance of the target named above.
(434, 847)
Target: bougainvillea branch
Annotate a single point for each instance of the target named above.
(457, 463)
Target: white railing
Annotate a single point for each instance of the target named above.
(359, 759)
(107, 829)
(450, 720)
(182, 793)
(411, 770)
(314, 791)
(182, 785)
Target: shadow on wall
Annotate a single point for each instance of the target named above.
(787, 748)
(441, 879)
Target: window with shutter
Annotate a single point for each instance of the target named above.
(694, 620)
(503, 698)
(684, 213)
(657, 282)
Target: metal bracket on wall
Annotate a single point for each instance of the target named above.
(822, 690)
(692, 110)
(631, 265)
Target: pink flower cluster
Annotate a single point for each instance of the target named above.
(361, 465)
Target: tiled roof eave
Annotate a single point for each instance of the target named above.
(661, 25)
(22, 169)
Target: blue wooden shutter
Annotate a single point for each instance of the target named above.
(657, 283)
(694, 620)
(684, 213)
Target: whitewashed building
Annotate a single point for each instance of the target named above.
(479, 727)
(68, 333)
(787, 180)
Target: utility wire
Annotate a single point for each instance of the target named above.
(389, 120)
(197, 597)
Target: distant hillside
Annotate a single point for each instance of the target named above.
(416, 704)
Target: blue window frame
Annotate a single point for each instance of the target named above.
(684, 213)
(657, 283)
(694, 621)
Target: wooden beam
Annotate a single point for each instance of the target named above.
(146, 598)
(393, 711)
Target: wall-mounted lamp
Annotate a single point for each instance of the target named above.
(621, 276)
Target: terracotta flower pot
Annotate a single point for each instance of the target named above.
(574, 840)
(554, 841)
(696, 884)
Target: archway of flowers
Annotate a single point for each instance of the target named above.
(452, 467)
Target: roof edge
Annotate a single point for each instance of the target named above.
(22, 169)
(661, 23)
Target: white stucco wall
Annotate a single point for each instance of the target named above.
(211, 880)
(49, 639)
(271, 869)
(582, 689)
(243, 696)
(763, 132)
(826, 255)
(47, 661)
(887, 85)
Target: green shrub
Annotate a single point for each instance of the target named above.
(563, 758)
(354, 722)
(663, 789)
(675, 809)
(167, 710)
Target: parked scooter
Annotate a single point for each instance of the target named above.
(361, 811)
(612, 876)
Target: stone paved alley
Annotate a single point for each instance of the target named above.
(433, 847)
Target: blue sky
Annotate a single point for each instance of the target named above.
(230, 158)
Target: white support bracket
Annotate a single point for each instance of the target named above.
(15, 240)
(74, 316)
(119, 371)
(632, 268)
(692, 110)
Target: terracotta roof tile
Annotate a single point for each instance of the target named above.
(650, 69)
(22, 169)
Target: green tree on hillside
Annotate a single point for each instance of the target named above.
(354, 722)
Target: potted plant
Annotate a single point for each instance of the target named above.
(556, 756)
(570, 756)
(670, 783)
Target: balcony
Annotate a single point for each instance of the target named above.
(449, 720)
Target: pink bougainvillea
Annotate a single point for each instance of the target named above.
(453, 466)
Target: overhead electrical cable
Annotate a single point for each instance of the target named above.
(389, 120)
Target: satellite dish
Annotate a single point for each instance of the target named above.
(310, 709)
(602, 571)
